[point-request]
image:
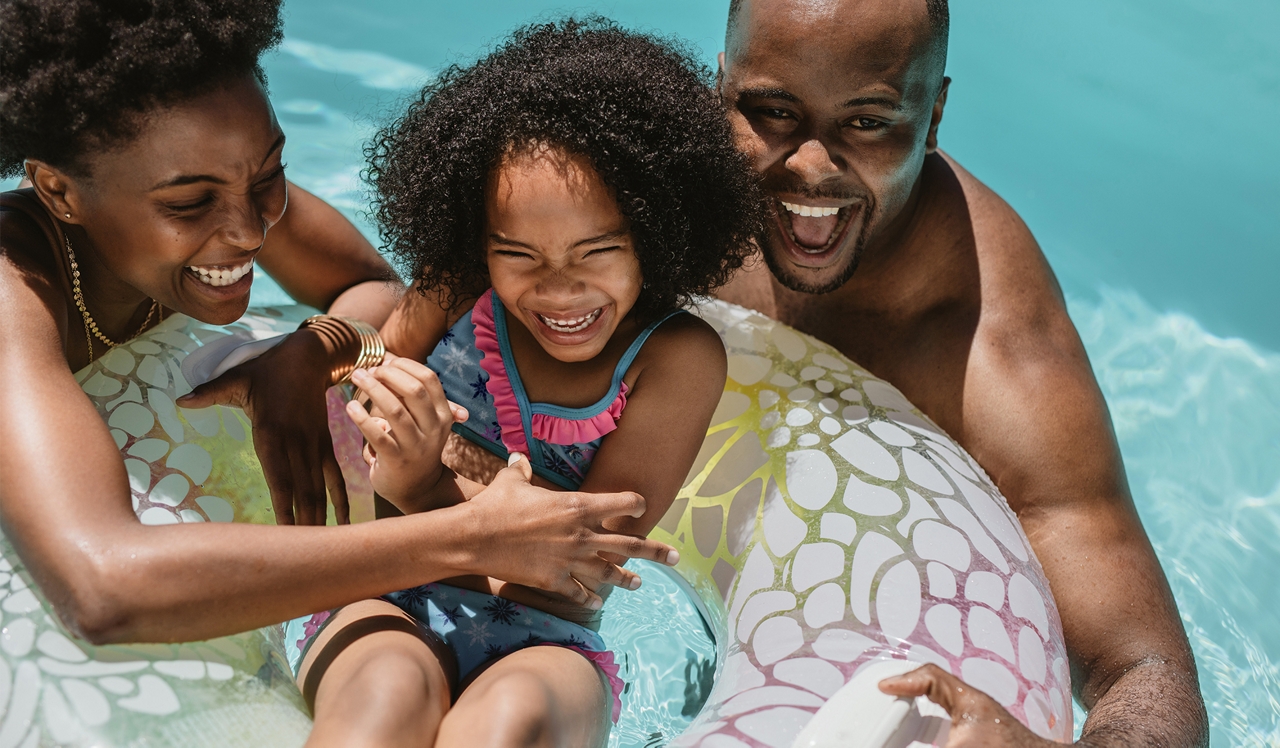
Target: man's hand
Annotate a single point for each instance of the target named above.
(977, 721)
(283, 393)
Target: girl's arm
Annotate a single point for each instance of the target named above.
(65, 505)
(321, 260)
(681, 373)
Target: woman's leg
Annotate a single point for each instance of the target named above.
(539, 696)
(376, 677)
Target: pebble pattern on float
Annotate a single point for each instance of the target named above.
(237, 690)
(839, 526)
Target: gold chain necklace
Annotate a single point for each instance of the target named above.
(89, 324)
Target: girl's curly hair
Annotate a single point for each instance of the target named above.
(639, 108)
(75, 74)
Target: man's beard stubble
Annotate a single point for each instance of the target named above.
(783, 273)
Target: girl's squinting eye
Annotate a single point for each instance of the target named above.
(600, 251)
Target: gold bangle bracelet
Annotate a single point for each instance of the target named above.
(372, 349)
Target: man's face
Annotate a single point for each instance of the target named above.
(837, 103)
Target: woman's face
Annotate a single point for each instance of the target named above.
(180, 212)
(561, 256)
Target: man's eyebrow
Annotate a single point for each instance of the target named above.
(185, 179)
(880, 101)
(768, 93)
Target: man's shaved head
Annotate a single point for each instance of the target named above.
(937, 12)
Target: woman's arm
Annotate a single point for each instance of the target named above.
(65, 506)
(321, 260)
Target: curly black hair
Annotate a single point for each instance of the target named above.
(639, 108)
(75, 74)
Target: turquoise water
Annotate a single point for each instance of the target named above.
(666, 653)
(1134, 136)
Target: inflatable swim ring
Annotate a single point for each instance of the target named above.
(832, 536)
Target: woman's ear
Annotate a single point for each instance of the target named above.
(55, 189)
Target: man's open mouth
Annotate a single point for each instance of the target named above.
(813, 228)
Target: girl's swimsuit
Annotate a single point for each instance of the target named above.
(477, 369)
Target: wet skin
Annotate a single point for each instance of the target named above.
(64, 494)
(938, 287)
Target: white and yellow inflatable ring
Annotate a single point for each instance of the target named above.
(831, 532)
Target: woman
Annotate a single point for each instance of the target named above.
(154, 159)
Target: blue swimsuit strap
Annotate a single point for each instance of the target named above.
(619, 371)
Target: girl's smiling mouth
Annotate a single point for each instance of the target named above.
(570, 328)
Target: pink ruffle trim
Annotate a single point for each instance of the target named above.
(555, 430)
(608, 666)
(504, 398)
(547, 428)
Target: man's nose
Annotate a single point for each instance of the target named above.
(812, 162)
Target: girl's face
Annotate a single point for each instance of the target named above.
(560, 254)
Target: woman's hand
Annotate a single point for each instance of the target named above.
(407, 432)
(283, 393)
(553, 540)
(976, 718)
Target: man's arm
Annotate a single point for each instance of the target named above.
(1036, 420)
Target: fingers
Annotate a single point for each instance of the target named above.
(376, 431)
(229, 389)
(460, 414)
(931, 681)
(308, 488)
(571, 590)
(625, 545)
(517, 469)
(622, 504)
(276, 469)
(602, 572)
(389, 405)
(337, 491)
(419, 388)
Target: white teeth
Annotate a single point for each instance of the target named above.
(575, 324)
(220, 275)
(809, 210)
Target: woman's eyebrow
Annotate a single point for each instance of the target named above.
(184, 179)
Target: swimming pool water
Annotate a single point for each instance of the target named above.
(666, 653)
(1133, 136)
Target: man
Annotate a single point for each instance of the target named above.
(886, 248)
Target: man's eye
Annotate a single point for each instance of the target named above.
(775, 113)
(866, 123)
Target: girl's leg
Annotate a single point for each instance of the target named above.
(539, 696)
(376, 677)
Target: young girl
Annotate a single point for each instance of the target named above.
(558, 203)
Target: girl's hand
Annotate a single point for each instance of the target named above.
(408, 430)
(283, 393)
